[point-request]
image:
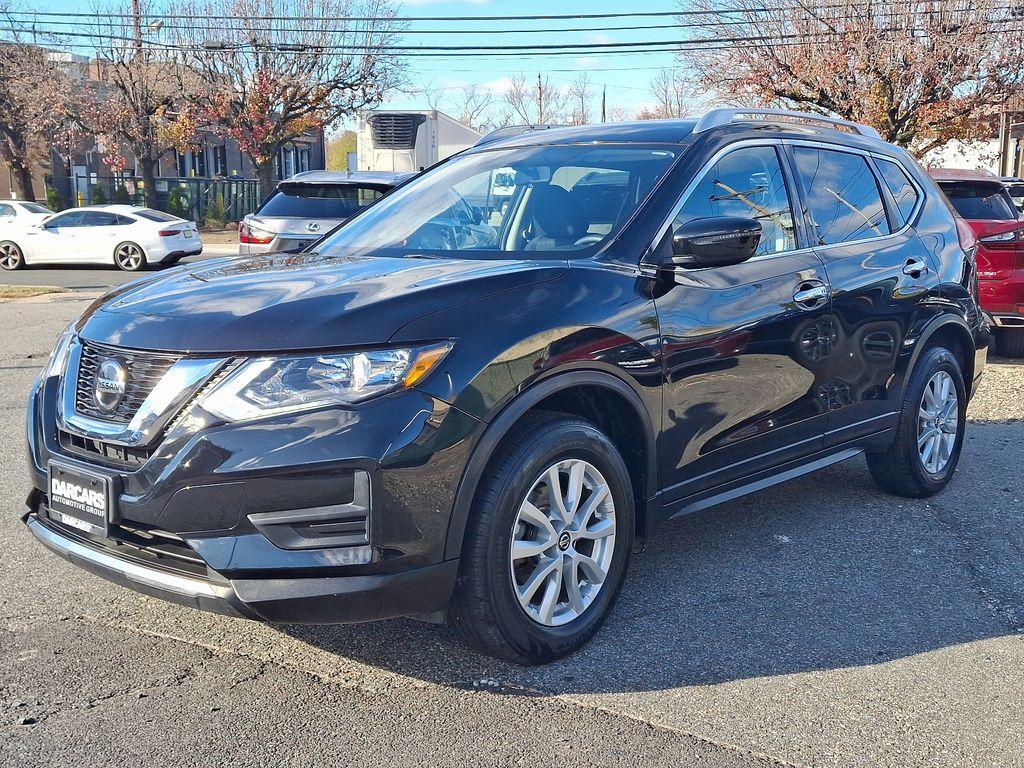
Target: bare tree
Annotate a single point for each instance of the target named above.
(135, 102)
(671, 93)
(270, 79)
(580, 96)
(477, 105)
(922, 72)
(36, 101)
(539, 102)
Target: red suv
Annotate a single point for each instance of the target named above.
(983, 200)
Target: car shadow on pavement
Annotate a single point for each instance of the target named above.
(823, 572)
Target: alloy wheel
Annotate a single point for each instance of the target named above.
(938, 422)
(10, 256)
(129, 257)
(563, 542)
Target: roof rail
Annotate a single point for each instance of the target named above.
(719, 117)
(512, 130)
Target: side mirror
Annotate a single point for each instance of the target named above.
(715, 242)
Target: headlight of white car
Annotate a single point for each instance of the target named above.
(269, 386)
(59, 355)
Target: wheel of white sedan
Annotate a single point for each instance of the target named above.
(129, 257)
(11, 257)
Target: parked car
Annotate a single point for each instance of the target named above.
(128, 236)
(1015, 186)
(309, 205)
(18, 212)
(983, 200)
(424, 417)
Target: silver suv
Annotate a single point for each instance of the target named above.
(308, 205)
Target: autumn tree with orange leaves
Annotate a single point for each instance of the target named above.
(270, 78)
(921, 73)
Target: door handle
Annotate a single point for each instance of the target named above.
(811, 295)
(915, 267)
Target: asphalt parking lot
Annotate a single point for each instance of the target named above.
(817, 623)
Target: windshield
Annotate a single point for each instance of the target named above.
(980, 200)
(35, 208)
(320, 201)
(539, 200)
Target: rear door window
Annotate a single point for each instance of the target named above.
(903, 192)
(320, 201)
(842, 195)
(98, 219)
(979, 199)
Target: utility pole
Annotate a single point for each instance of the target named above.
(540, 100)
(604, 101)
(137, 28)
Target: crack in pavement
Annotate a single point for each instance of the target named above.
(527, 691)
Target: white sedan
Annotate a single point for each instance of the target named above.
(22, 212)
(128, 236)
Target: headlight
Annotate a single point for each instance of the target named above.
(59, 356)
(268, 386)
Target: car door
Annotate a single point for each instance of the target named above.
(98, 236)
(881, 275)
(745, 346)
(56, 239)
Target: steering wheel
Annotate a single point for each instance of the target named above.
(589, 239)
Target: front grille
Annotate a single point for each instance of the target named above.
(109, 454)
(144, 370)
(395, 131)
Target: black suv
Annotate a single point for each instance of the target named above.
(477, 397)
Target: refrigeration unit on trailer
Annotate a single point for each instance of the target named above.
(411, 140)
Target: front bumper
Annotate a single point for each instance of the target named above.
(331, 516)
(324, 600)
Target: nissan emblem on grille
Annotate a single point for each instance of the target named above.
(110, 384)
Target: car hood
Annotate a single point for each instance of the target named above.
(281, 302)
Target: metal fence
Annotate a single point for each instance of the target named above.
(221, 199)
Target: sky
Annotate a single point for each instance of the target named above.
(626, 75)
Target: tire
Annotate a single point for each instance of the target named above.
(904, 469)
(129, 257)
(1010, 342)
(11, 256)
(486, 609)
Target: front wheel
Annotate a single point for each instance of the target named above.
(11, 257)
(929, 432)
(129, 257)
(547, 548)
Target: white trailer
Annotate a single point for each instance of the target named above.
(409, 140)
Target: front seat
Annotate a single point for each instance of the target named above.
(558, 219)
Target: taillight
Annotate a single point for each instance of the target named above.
(1003, 238)
(253, 235)
(169, 232)
(964, 233)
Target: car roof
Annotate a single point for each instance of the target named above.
(388, 178)
(961, 174)
(681, 130)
